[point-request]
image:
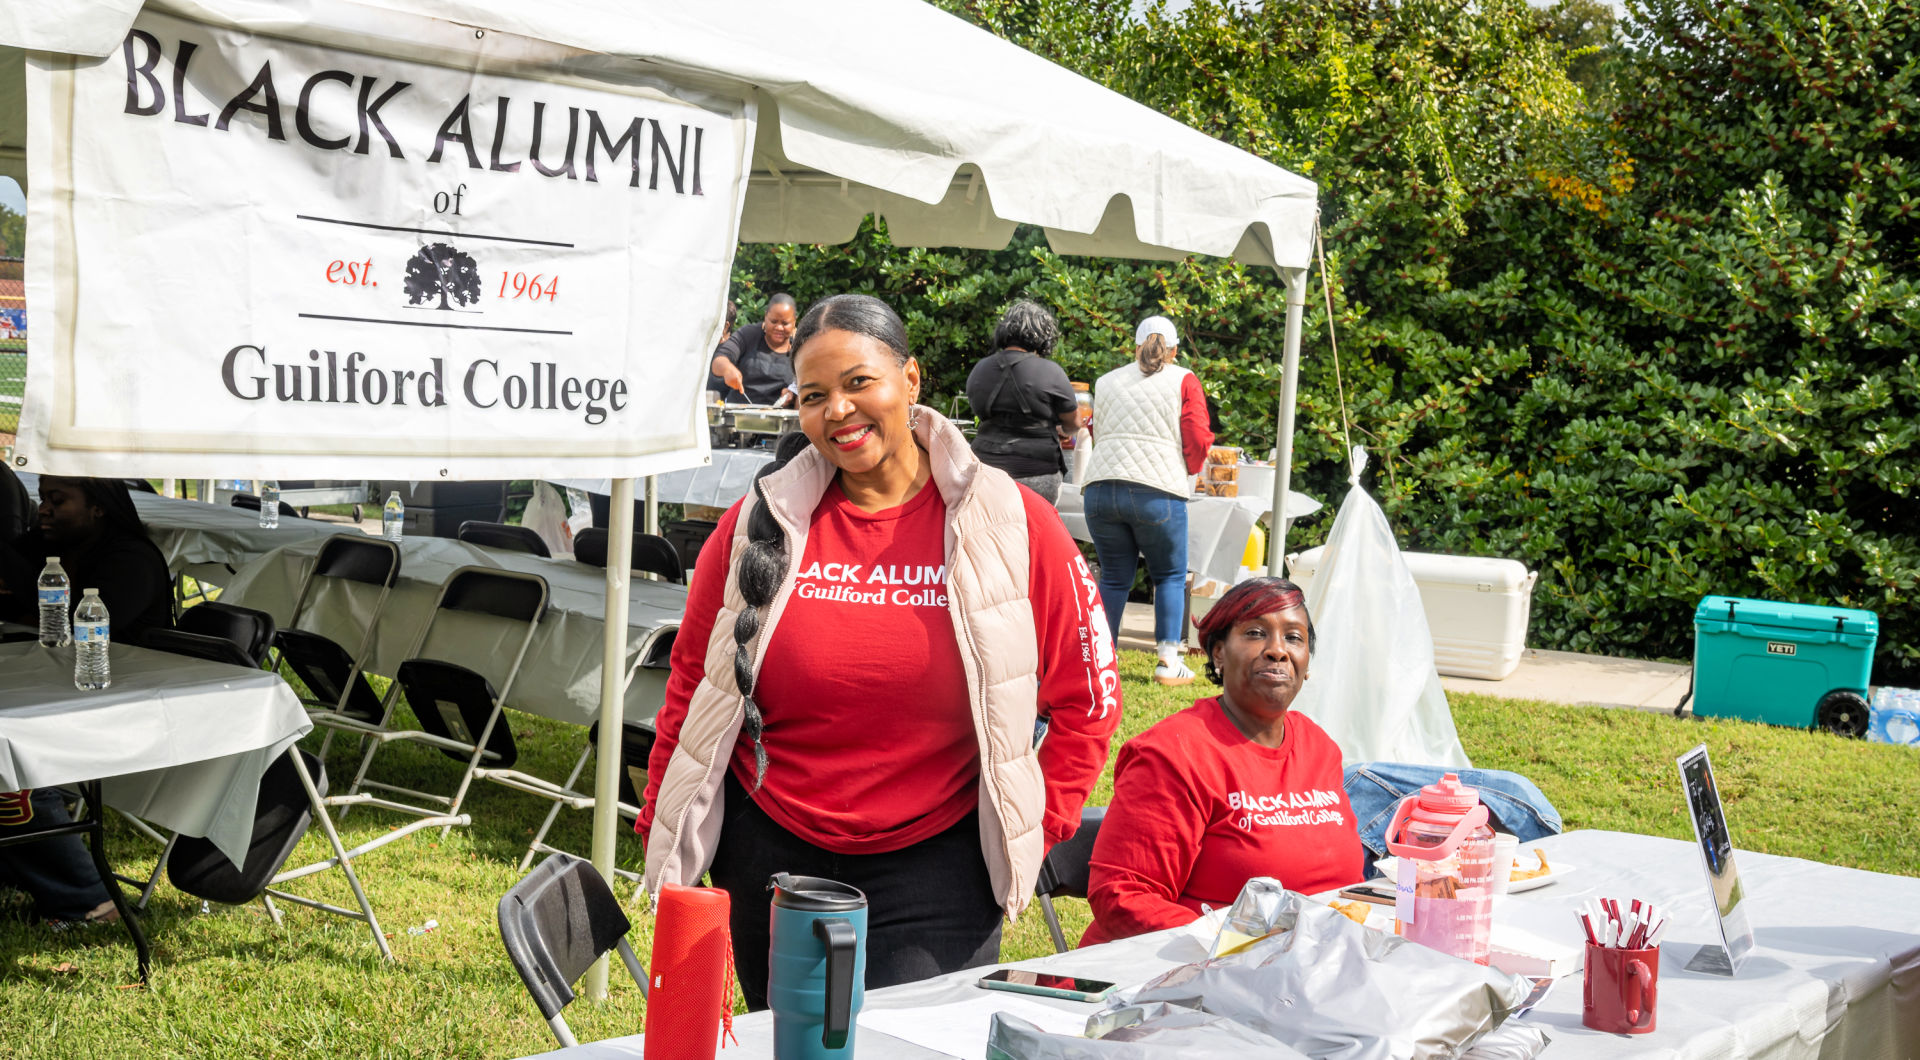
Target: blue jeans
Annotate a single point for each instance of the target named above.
(1126, 521)
(1513, 802)
(57, 872)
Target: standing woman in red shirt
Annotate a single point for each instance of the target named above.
(1230, 788)
(874, 633)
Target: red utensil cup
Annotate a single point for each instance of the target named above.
(1622, 989)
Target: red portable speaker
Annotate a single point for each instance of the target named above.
(690, 993)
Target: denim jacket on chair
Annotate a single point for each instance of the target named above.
(1513, 802)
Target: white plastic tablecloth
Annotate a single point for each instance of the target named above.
(177, 741)
(203, 539)
(715, 485)
(1836, 971)
(1217, 527)
(561, 676)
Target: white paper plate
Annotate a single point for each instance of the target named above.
(1389, 867)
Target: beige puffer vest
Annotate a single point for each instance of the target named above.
(1136, 429)
(988, 566)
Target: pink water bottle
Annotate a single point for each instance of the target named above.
(1445, 874)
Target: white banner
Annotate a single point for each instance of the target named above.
(255, 257)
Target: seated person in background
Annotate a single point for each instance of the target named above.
(16, 508)
(754, 365)
(1230, 788)
(56, 872)
(90, 523)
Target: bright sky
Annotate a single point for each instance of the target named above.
(11, 196)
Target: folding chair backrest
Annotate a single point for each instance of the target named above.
(656, 555)
(252, 503)
(651, 553)
(590, 546)
(555, 923)
(502, 594)
(281, 816)
(358, 558)
(196, 645)
(251, 631)
(1064, 872)
(503, 536)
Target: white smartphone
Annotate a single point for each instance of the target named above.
(1071, 987)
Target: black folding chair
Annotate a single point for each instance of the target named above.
(636, 745)
(555, 923)
(252, 503)
(504, 536)
(652, 553)
(1064, 872)
(457, 708)
(197, 645)
(293, 795)
(341, 697)
(249, 630)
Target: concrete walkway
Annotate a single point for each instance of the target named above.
(1546, 676)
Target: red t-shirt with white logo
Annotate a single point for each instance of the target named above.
(1198, 810)
(869, 731)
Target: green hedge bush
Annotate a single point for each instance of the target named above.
(1656, 342)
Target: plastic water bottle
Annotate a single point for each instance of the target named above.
(393, 518)
(270, 505)
(90, 638)
(54, 597)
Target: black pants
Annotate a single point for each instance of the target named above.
(930, 907)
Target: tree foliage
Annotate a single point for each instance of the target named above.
(1652, 338)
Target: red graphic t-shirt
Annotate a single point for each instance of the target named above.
(862, 682)
(1198, 810)
(869, 731)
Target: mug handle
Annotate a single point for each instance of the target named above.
(837, 934)
(1643, 1015)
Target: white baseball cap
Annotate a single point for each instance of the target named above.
(1160, 326)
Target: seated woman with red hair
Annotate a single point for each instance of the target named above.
(1231, 788)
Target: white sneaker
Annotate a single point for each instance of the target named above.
(1172, 670)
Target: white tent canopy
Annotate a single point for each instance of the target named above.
(886, 107)
(867, 106)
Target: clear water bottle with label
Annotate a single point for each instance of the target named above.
(393, 518)
(90, 640)
(55, 593)
(269, 505)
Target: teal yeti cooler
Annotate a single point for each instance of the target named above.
(1783, 664)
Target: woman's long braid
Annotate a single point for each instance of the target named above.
(763, 566)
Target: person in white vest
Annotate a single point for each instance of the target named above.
(1150, 434)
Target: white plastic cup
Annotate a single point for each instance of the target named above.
(1504, 848)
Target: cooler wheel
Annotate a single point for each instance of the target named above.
(1842, 712)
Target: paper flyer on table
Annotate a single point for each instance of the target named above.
(960, 1029)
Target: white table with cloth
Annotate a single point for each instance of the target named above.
(714, 485)
(1835, 972)
(206, 541)
(560, 678)
(179, 742)
(1217, 527)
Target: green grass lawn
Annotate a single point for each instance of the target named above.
(226, 983)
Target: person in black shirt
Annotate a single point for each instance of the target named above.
(91, 524)
(754, 365)
(1023, 401)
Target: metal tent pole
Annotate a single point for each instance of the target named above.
(653, 505)
(1296, 280)
(613, 658)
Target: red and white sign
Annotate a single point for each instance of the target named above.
(260, 257)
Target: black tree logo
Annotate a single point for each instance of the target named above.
(442, 271)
